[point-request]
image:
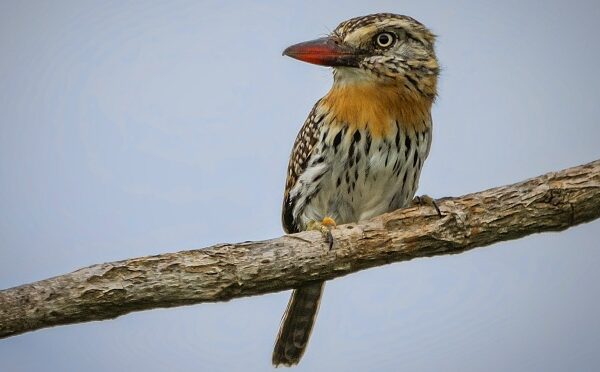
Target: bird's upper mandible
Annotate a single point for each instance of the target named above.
(383, 48)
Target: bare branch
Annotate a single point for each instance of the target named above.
(551, 202)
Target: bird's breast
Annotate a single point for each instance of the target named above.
(372, 143)
(355, 174)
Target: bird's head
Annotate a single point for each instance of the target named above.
(383, 48)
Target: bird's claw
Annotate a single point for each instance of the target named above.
(330, 239)
(428, 201)
(325, 226)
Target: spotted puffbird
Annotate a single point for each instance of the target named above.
(360, 152)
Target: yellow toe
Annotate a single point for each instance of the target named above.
(328, 222)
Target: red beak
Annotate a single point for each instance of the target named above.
(325, 52)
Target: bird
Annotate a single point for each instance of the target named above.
(360, 152)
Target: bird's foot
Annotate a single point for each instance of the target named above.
(426, 200)
(325, 226)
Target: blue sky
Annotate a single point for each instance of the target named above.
(135, 128)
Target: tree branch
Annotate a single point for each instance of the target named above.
(551, 202)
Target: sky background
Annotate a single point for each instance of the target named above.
(134, 128)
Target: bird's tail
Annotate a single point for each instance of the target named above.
(296, 324)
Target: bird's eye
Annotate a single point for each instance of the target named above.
(385, 39)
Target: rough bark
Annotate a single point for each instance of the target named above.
(551, 202)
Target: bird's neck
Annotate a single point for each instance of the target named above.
(377, 107)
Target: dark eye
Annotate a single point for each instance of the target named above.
(385, 39)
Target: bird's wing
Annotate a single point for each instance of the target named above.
(301, 152)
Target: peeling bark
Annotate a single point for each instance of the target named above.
(552, 202)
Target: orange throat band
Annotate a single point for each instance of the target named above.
(377, 107)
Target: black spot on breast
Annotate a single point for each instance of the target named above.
(339, 182)
(368, 144)
(397, 134)
(418, 138)
(407, 144)
(355, 139)
(337, 140)
(318, 177)
(396, 164)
